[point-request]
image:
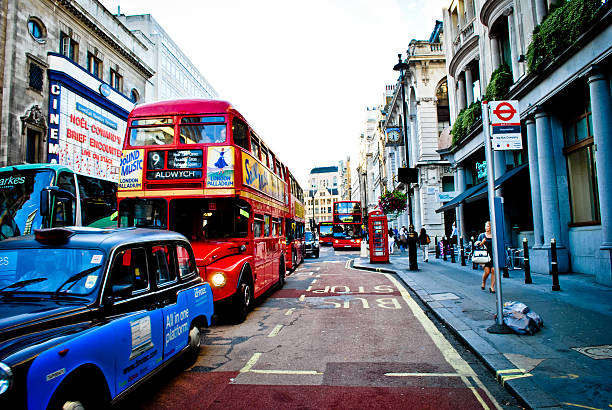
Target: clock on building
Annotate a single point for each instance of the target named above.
(393, 135)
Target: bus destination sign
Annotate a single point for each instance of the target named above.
(185, 159)
(174, 174)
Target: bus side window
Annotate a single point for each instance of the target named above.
(240, 134)
(255, 149)
(258, 226)
(65, 181)
(266, 225)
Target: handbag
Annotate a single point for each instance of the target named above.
(481, 256)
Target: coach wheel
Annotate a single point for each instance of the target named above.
(242, 303)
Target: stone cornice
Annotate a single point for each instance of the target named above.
(462, 53)
(112, 43)
(491, 9)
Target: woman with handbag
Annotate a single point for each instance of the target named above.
(486, 239)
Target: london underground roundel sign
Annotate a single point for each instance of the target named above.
(505, 125)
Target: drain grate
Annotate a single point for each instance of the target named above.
(596, 352)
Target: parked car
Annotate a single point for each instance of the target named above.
(88, 314)
(311, 244)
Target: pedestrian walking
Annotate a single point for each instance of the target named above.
(486, 239)
(424, 242)
(454, 235)
(403, 238)
(391, 242)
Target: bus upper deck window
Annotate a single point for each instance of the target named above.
(239, 134)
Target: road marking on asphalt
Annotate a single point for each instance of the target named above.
(510, 374)
(290, 311)
(275, 331)
(309, 288)
(426, 374)
(447, 350)
(302, 298)
(314, 281)
(248, 368)
(583, 407)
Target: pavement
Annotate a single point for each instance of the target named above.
(567, 364)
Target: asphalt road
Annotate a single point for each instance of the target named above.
(333, 337)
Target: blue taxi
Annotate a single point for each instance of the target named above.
(87, 314)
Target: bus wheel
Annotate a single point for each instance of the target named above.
(281, 274)
(242, 301)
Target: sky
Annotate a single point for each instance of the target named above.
(301, 73)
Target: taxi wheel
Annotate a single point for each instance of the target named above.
(242, 302)
(195, 342)
(73, 405)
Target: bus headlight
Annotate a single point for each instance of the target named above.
(335, 241)
(6, 378)
(218, 279)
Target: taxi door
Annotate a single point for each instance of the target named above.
(136, 322)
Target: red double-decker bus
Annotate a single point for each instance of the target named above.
(294, 227)
(326, 232)
(197, 167)
(347, 231)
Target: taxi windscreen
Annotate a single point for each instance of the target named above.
(59, 271)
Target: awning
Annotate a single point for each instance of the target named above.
(479, 191)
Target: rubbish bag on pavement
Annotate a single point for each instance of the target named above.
(519, 318)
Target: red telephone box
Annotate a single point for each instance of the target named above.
(378, 237)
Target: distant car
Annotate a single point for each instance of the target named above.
(87, 314)
(311, 244)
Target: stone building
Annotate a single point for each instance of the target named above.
(427, 115)
(499, 49)
(70, 71)
(323, 191)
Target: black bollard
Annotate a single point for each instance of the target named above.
(526, 261)
(412, 248)
(437, 248)
(451, 248)
(553, 265)
(444, 248)
(462, 251)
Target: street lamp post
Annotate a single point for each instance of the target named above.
(412, 237)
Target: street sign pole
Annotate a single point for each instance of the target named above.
(499, 326)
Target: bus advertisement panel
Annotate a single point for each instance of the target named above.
(196, 167)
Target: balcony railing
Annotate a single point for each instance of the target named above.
(464, 34)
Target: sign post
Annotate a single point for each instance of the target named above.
(499, 326)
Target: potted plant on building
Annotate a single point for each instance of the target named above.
(392, 202)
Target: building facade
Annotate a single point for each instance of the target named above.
(175, 75)
(498, 50)
(323, 191)
(69, 71)
(426, 116)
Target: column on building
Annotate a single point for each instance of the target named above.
(513, 39)
(541, 7)
(418, 222)
(460, 93)
(469, 86)
(601, 107)
(534, 177)
(495, 55)
(414, 145)
(548, 190)
(459, 188)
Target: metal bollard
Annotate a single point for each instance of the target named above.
(526, 261)
(437, 248)
(462, 251)
(451, 248)
(553, 265)
(444, 248)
